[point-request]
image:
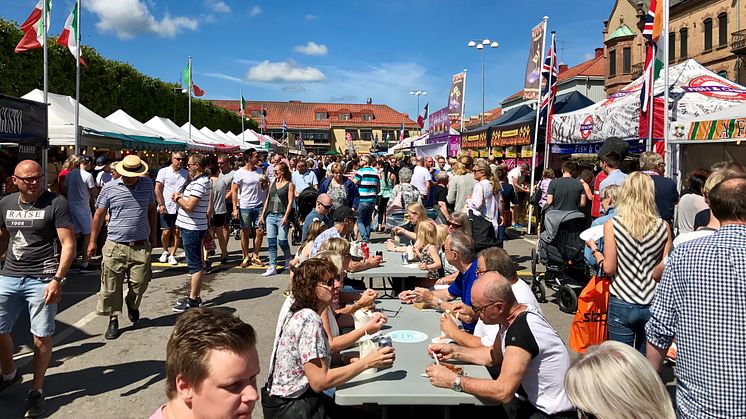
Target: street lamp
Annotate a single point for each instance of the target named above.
(481, 45)
(418, 93)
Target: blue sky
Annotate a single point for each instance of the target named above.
(332, 51)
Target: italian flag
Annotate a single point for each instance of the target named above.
(243, 105)
(69, 36)
(188, 81)
(34, 29)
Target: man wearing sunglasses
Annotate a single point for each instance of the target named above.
(169, 180)
(320, 212)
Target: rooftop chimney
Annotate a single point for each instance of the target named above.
(562, 68)
(599, 52)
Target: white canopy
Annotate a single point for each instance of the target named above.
(198, 135)
(169, 129)
(124, 119)
(251, 137)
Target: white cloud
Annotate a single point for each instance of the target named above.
(255, 10)
(283, 72)
(312, 48)
(129, 18)
(223, 77)
(311, 17)
(217, 6)
(293, 89)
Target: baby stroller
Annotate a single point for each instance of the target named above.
(304, 204)
(560, 249)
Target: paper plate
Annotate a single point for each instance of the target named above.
(594, 233)
(441, 339)
(407, 336)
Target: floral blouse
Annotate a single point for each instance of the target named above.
(302, 340)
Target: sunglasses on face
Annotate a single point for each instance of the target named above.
(454, 225)
(328, 283)
(326, 206)
(178, 158)
(29, 179)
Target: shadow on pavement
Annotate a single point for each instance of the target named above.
(245, 294)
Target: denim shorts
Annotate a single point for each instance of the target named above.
(168, 221)
(15, 292)
(249, 217)
(192, 242)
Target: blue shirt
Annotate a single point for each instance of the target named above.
(614, 178)
(310, 218)
(461, 287)
(589, 258)
(303, 181)
(367, 183)
(128, 209)
(329, 233)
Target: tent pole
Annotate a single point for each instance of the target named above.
(536, 133)
(189, 92)
(45, 150)
(651, 116)
(666, 145)
(77, 85)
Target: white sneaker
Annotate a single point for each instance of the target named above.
(270, 271)
(172, 260)
(163, 258)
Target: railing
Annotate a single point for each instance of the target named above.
(738, 43)
(637, 70)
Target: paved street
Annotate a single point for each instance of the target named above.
(91, 377)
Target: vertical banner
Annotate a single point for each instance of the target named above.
(532, 82)
(456, 97)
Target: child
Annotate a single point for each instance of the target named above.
(426, 248)
(304, 250)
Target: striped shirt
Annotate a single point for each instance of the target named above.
(128, 209)
(195, 219)
(367, 183)
(636, 259)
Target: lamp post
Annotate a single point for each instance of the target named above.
(481, 45)
(418, 93)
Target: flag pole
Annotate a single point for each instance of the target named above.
(666, 46)
(463, 102)
(548, 127)
(45, 150)
(189, 92)
(243, 116)
(651, 107)
(536, 132)
(77, 82)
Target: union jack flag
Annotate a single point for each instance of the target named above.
(652, 34)
(549, 74)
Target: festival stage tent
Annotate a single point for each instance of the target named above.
(695, 92)
(94, 129)
(170, 130)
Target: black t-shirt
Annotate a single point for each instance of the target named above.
(666, 196)
(566, 192)
(33, 249)
(702, 219)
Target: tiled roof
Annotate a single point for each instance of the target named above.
(297, 114)
(594, 67)
(489, 116)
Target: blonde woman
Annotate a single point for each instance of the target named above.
(68, 166)
(304, 250)
(461, 184)
(636, 241)
(613, 381)
(417, 214)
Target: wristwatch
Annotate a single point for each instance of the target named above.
(59, 280)
(457, 384)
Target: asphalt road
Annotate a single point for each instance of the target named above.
(91, 377)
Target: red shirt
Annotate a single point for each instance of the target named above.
(596, 205)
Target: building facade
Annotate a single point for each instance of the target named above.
(709, 31)
(329, 126)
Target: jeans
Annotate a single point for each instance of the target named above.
(276, 232)
(192, 242)
(18, 292)
(364, 218)
(627, 322)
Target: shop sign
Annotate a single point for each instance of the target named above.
(510, 152)
(497, 152)
(526, 152)
(477, 140)
(516, 135)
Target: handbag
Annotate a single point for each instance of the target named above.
(536, 196)
(589, 326)
(310, 404)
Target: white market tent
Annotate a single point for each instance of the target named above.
(170, 130)
(252, 137)
(695, 92)
(200, 136)
(124, 119)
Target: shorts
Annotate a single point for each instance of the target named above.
(192, 242)
(220, 220)
(168, 221)
(82, 220)
(15, 292)
(249, 217)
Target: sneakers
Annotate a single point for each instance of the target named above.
(185, 304)
(270, 271)
(34, 404)
(163, 258)
(6, 384)
(112, 332)
(172, 261)
(245, 263)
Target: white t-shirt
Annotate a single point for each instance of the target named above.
(692, 235)
(250, 192)
(420, 177)
(196, 219)
(79, 182)
(103, 178)
(172, 181)
(515, 173)
(523, 295)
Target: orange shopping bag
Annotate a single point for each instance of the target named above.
(589, 326)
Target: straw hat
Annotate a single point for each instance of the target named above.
(131, 166)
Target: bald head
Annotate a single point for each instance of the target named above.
(491, 287)
(27, 167)
(324, 199)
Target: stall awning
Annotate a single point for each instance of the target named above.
(23, 121)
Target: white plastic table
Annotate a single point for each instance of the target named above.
(404, 384)
(391, 269)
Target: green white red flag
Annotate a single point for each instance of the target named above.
(70, 35)
(33, 28)
(243, 106)
(189, 83)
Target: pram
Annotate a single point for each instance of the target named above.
(560, 250)
(304, 204)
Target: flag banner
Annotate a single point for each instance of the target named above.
(549, 75)
(456, 97)
(243, 106)
(532, 82)
(653, 50)
(422, 116)
(401, 132)
(195, 90)
(439, 125)
(69, 36)
(33, 28)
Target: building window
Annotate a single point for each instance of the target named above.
(366, 135)
(671, 49)
(708, 34)
(344, 117)
(723, 29)
(319, 137)
(612, 63)
(388, 135)
(321, 116)
(683, 40)
(723, 74)
(255, 114)
(366, 117)
(353, 133)
(626, 60)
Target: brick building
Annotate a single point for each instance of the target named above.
(326, 126)
(709, 31)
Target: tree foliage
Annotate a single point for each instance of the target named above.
(105, 85)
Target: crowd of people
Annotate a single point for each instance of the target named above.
(674, 264)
